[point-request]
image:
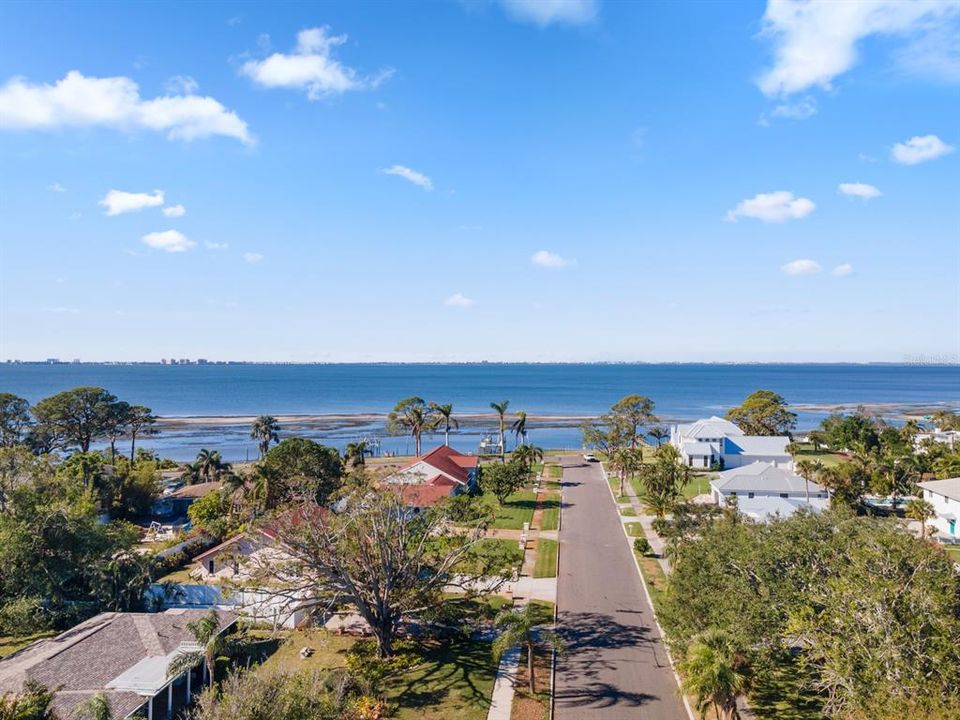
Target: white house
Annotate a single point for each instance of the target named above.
(951, 438)
(763, 490)
(944, 495)
(715, 441)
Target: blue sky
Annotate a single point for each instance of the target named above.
(519, 180)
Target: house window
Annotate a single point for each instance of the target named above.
(733, 494)
(749, 495)
(210, 566)
(783, 495)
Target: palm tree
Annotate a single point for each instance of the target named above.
(660, 501)
(96, 707)
(356, 454)
(501, 409)
(412, 416)
(208, 466)
(519, 428)
(527, 456)
(659, 433)
(444, 416)
(520, 628)
(265, 430)
(714, 674)
(921, 511)
(206, 634)
(809, 470)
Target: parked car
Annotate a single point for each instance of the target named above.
(590, 458)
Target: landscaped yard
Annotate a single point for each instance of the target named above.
(550, 520)
(517, 510)
(653, 578)
(634, 529)
(546, 563)
(699, 484)
(828, 458)
(628, 511)
(452, 680)
(953, 551)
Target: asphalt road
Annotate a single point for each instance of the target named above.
(616, 666)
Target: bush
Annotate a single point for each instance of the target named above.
(642, 546)
(23, 616)
(660, 526)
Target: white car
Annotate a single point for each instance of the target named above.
(590, 458)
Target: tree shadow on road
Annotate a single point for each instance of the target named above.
(589, 636)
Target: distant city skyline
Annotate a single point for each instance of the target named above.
(512, 180)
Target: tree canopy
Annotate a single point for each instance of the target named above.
(764, 412)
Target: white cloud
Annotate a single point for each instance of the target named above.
(920, 149)
(842, 270)
(311, 67)
(118, 202)
(115, 102)
(547, 259)
(459, 300)
(181, 85)
(801, 267)
(174, 211)
(796, 111)
(778, 206)
(252, 257)
(546, 12)
(860, 190)
(168, 241)
(816, 41)
(215, 245)
(56, 187)
(413, 176)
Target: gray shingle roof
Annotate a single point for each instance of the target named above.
(948, 488)
(763, 477)
(83, 660)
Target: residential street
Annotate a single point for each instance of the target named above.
(616, 666)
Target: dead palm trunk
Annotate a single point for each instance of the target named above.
(530, 670)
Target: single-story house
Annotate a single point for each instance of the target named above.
(715, 441)
(944, 496)
(123, 656)
(763, 490)
(441, 473)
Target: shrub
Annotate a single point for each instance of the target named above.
(642, 546)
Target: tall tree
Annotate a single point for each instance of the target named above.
(632, 413)
(500, 408)
(411, 416)
(626, 462)
(116, 426)
(300, 467)
(443, 416)
(764, 412)
(265, 430)
(378, 557)
(209, 466)
(519, 428)
(526, 456)
(81, 415)
(520, 627)
(141, 422)
(14, 419)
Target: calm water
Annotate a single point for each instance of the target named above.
(681, 392)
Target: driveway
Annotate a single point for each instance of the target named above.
(616, 666)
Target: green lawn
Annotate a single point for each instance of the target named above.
(781, 695)
(628, 511)
(634, 529)
(505, 554)
(953, 551)
(556, 471)
(546, 564)
(829, 459)
(181, 576)
(698, 484)
(10, 645)
(550, 519)
(453, 679)
(653, 578)
(517, 510)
